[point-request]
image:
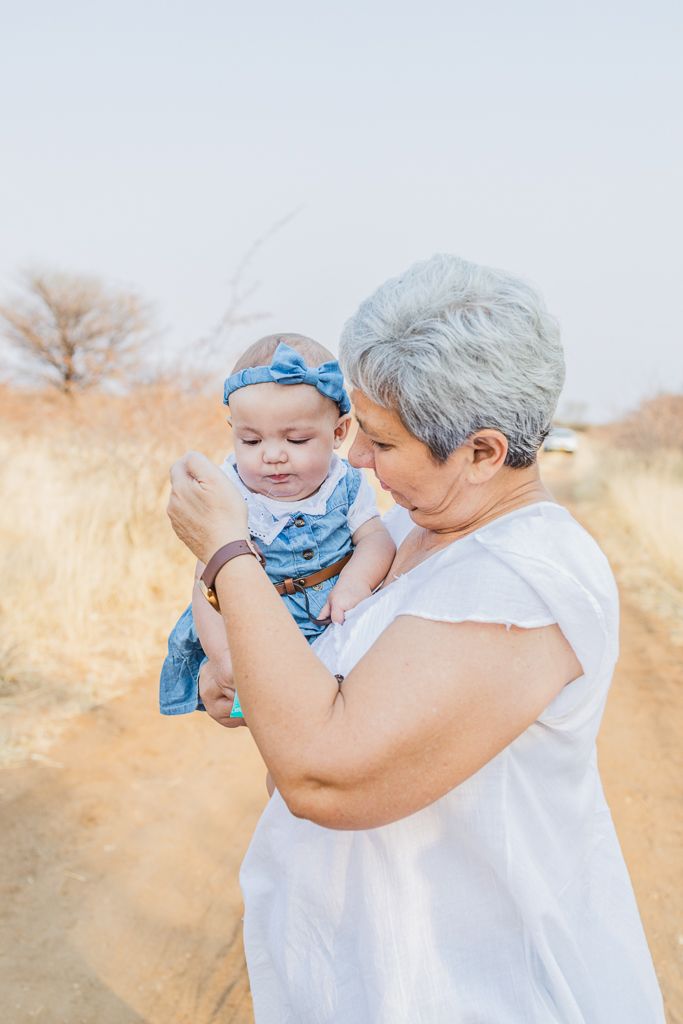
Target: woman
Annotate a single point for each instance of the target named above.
(438, 849)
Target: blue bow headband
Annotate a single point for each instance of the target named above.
(289, 367)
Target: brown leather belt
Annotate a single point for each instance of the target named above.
(293, 586)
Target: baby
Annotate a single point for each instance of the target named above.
(311, 513)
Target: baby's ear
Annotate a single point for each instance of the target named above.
(341, 430)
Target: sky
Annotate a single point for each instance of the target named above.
(152, 143)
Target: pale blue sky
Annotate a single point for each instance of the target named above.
(151, 142)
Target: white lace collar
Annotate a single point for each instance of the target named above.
(267, 517)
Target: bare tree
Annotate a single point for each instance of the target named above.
(73, 331)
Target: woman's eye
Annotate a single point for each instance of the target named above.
(382, 447)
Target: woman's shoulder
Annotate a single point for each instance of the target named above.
(532, 567)
(544, 546)
(468, 581)
(535, 540)
(547, 546)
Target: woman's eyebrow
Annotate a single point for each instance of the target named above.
(368, 431)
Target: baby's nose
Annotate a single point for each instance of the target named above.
(274, 454)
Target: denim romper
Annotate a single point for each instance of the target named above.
(305, 545)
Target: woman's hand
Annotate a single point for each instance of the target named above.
(217, 700)
(206, 510)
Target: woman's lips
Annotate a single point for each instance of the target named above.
(385, 487)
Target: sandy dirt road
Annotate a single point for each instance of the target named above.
(119, 872)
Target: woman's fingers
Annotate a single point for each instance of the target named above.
(200, 469)
(205, 509)
(217, 704)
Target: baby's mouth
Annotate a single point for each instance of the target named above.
(278, 478)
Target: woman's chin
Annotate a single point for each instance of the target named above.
(401, 500)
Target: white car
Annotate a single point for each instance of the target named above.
(561, 439)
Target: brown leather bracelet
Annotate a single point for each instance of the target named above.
(217, 561)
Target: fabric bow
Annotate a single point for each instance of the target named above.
(289, 367)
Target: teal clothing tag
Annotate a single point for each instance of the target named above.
(236, 709)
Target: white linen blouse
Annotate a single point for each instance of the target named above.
(507, 901)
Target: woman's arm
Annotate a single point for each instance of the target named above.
(211, 633)
(428, 705)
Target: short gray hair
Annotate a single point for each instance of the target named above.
(452, 348)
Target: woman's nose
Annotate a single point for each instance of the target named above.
(361, 453)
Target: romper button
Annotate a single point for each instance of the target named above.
(299, 521)
(307, 554)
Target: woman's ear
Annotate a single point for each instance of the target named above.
(341, 430)
(489, 450)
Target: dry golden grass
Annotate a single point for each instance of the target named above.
(628, 484)
(638, 518)
(92, 574)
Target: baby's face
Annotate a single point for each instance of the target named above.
(284, 437)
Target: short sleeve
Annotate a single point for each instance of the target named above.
(364, 506)
(475, 586)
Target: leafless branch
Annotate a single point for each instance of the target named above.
(239, 292)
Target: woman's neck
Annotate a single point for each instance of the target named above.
(467, 511)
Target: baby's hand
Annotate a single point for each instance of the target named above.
(344, 596)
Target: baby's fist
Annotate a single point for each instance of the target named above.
(344, 596)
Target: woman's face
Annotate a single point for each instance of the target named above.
(404, 465)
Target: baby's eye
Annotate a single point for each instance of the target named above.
(298, 440)
(251, 441)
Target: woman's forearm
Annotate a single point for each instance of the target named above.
(287, 694)
(209, 626)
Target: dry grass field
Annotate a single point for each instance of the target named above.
(628, 485)
(92, 574)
